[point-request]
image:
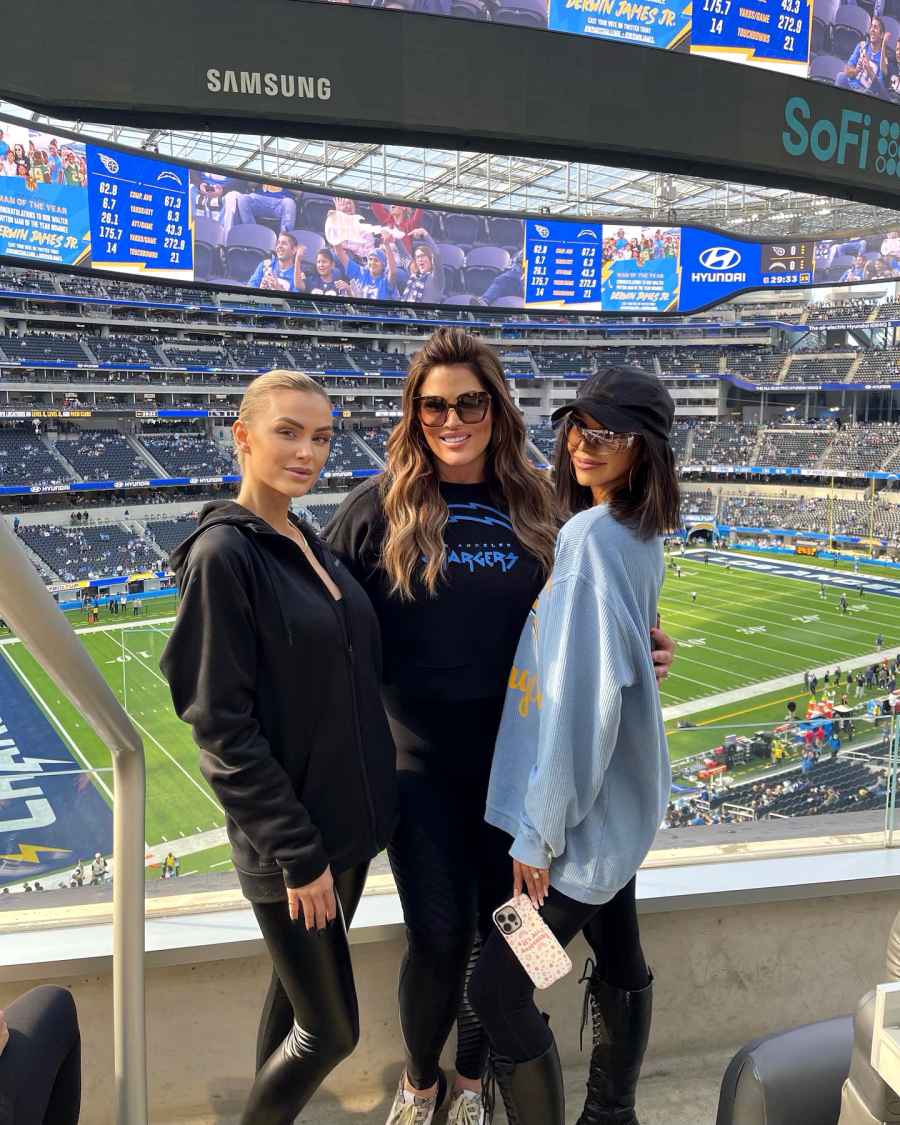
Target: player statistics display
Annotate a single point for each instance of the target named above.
(80, 205)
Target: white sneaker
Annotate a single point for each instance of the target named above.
(408, 1109)
(466, 1108)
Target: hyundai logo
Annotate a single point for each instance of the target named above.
(720, 258)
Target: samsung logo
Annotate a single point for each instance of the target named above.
(267, 84)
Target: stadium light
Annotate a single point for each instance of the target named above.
(28, 608)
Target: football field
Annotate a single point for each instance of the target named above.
(747, 626)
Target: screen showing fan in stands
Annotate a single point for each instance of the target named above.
(854, 45)
(68, 202)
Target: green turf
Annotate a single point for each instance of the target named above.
(179, 802)
(746, 628)
(217, 858)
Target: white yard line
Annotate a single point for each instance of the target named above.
(737, 695)
(159, 745)
(109, 627)
(39, 699)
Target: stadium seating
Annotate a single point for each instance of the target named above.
(90, 551)
(759, 365)
(863, 447)
(722, 443)
(42, 348)
(258, 355)
(103, 455)
(829, 787)
(188, 454)
(848, 312)
(800, 447)
(347, 454)
(320, 513)
(679, 361)
(819, 369)
(169, 533)
(24, 459)
(123, 349)
(376, 439)
(196, 355)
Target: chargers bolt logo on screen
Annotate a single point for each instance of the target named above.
(719, 264)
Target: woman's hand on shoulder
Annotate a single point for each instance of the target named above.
(315, 901)
(663, 652)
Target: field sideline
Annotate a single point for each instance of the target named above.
(746, 627)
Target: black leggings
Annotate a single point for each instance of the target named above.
(451, 870)
(40, 1069)
(502, 994)
(310, 1019)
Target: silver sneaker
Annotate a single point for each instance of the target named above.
(411, 1110)
(466, 1108)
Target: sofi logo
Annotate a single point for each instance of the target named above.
(720, 258)
(843, 142)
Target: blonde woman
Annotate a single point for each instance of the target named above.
(275, 663)
(453, 545)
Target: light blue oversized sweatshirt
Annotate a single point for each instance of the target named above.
(581, 773)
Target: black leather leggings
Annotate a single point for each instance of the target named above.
(502, 994)
(310, 1019)
(40, 1069)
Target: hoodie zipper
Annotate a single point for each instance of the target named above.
(344, 626)
(351, 663)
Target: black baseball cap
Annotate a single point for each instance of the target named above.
(626, 400)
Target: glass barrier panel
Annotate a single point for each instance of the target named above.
(780, 702)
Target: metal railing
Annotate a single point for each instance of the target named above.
(28, 608)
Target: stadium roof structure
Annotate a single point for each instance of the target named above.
(448, 178)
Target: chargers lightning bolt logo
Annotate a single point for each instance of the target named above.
(485, 516)
(28, 853)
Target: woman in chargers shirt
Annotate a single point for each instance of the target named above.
(453, 544)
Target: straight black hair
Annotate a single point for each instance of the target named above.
(647, 499)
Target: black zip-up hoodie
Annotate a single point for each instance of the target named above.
(281, 685)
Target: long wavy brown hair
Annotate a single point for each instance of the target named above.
(414, 509)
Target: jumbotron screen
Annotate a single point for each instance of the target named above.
(69, 202)
(852, 45)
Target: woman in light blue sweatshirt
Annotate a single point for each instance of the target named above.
(580, 778)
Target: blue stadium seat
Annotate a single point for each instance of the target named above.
(469, 9)
(508, 233)
(248, 244)
(454, 261)
(483, 263)
(892, 28)
(851, 25)
(312, 243)
(209, 239)
(314, 210)
(525, 13)
(464, 230)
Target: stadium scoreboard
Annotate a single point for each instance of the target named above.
(140, 213)
(83, 205)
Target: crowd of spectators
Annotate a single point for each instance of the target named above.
(90, 552)
(189, 454)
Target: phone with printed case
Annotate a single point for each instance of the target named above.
(532, 941)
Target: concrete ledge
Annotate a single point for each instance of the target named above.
(218, 925)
